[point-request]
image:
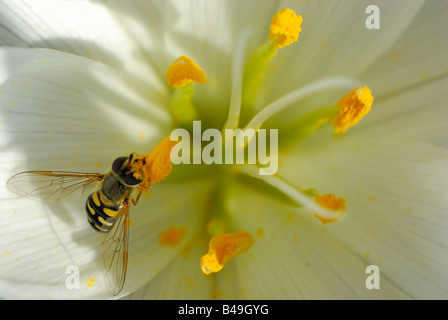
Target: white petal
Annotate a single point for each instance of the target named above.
(293, 257)
(142, 37)
(59, 113)
(417, 58)
(418, 113)
(85, 28)
(334, 41)
(57, 104)
(409, 81)
(396, 204)
(181, 279)
(39, 242)
(207, 32)
(170, 205)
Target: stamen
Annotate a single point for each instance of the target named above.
(182, 107)
(254, 73)
(216, 226)
(308, 124)
(285, 28)
(154, 166)
(347, 112)
(223, 248)
(237, 79)
(183, 71)
(330, 202)
(286, 25)
(353, 107)
(294, 96)
(181, 75)
(304, 198)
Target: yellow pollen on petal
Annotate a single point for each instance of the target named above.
(154, 166)
(183, 71)
(172, 236)
(286, 25)
(223, 248)
(331, 203)
(217, 293)
(90, 282)
(353, 107)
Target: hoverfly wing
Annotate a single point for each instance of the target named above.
(51, 186)
(114, 252)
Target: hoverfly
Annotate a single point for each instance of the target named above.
(107, 208)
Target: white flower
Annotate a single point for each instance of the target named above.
(95, 90)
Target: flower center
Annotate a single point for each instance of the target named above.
(247, 79)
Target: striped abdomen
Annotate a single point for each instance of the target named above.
(101, 215)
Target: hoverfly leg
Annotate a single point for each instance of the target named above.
(135, 201)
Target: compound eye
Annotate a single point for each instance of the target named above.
(130, 180)
(118, 164)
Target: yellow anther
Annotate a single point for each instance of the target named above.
(353, 107)
(331, 203)
(286, 25)
(172, 236)
(154, 166)
(159, 162)
(183, 71)
(223, 248)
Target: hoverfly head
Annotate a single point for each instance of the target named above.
(122, 168)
